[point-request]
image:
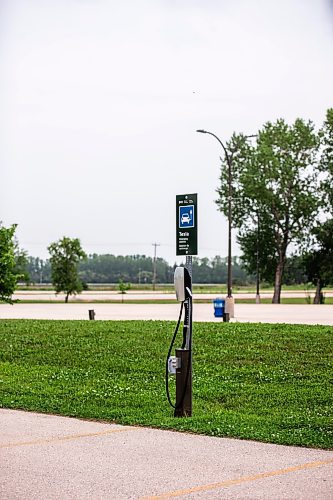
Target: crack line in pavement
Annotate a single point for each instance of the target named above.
(65, 438)
(245, 479)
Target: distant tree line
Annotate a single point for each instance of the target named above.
(69, 269)
(138, 269)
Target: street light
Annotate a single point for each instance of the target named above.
(230, 301)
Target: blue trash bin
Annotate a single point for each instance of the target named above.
(219, 305)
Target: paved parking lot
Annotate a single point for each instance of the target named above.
(44, 456)
(264, 313)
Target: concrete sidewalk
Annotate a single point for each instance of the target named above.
(264, 313)
(45, 456)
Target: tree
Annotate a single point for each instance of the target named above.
(319, 262)
(66, 254)
(8, 275)
(275, 180)
(123, 287)
(39, 270)
(21, 264)
(258, 249)
(295, 271)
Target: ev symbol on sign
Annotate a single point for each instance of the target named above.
(186, 216)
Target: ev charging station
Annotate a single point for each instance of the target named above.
(180, 365)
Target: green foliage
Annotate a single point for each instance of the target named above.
(295, 271)
(276, 182)
(21, 264)
(215, 270)
(326, 161)
(319, 262)
(39, 270)
(137, 269)
(8, 273)
(318, 258)
(123, 287)
(257, 244)
(65, 257)
(252, 381)
(110, 268)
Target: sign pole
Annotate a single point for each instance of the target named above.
(187, 244)
(188, 265)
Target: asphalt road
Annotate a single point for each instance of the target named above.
(45, 456)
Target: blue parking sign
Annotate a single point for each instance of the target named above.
(186, 216)
(187, 224)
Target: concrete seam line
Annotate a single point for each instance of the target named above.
(245, 479)
(65, 438)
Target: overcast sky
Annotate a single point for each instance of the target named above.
(100, 101)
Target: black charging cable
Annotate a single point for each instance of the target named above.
(168, 356)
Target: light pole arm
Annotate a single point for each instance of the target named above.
(222, 145)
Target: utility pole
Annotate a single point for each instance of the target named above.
(155, 245)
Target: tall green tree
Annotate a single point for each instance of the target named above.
(8, 274)
(275, 180)
(66, 254)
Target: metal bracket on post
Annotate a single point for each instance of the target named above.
(173, 364)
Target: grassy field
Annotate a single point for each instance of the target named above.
(264, 382)
(169, 288)
(79, 300)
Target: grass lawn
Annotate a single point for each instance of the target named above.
(255, 381)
